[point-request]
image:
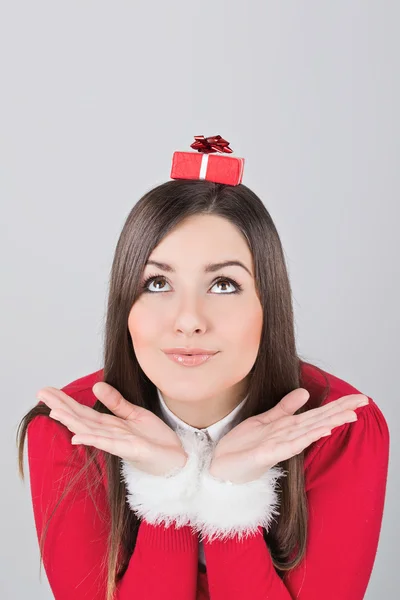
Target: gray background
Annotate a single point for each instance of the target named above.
(96, 96)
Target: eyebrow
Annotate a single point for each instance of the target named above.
(209, 268)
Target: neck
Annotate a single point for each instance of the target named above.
(204, 412)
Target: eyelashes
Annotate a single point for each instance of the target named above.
(151, 278)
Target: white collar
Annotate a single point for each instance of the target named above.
(215, 431)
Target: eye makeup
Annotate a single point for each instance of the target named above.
(151, 278)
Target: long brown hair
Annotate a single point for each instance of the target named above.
(276, 371)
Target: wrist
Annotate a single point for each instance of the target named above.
(176, 461)
(225, 509)
(238, 471)
(168, 497)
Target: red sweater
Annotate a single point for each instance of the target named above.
(345, 481)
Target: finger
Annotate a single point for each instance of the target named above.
(52, 398)
(287, 406)
(57, 399)
(114, 401)
(344, 404)
(289, 448)
(77, 425)
(292, 431)
(113, 445)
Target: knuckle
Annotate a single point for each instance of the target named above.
(283, 408)
(296, 419)
(283, 420)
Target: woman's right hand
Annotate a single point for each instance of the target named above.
(258, 443)
(133, 433)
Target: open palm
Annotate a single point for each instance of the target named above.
(262, 441)
(133, 433)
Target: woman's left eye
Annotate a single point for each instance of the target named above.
(151, 278)
(231, 282)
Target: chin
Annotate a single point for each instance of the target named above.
(185, 391)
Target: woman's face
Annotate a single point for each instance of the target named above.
(189, 307)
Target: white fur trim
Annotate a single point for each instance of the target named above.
(169, 498)
(225, 509)
(191, 496)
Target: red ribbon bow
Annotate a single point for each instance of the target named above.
(214, 143)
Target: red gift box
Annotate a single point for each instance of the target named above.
(219, 168)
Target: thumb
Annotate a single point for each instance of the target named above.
(114, 401)
(287, 406)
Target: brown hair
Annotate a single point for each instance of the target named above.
(276, 371)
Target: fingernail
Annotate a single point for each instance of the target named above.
(75, 441)
(353, 418)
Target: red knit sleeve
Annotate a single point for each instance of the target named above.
(163, 564)
(345, 486)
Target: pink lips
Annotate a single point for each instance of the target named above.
(190, 361)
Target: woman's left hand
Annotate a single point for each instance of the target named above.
(135, 434)
(257, 444)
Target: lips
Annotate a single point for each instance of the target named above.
(193, 360)
(190, 351)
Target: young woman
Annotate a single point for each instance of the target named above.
(240, 472)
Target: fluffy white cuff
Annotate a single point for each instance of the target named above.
(191, 496)
(167, 499)
(225, 509)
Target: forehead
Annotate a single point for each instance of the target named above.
(202, 241)
(207, 268)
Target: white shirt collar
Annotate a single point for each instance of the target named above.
(215, 431)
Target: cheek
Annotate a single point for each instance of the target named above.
(246, 331)
(144, 325)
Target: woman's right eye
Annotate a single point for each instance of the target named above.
(150, 280)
